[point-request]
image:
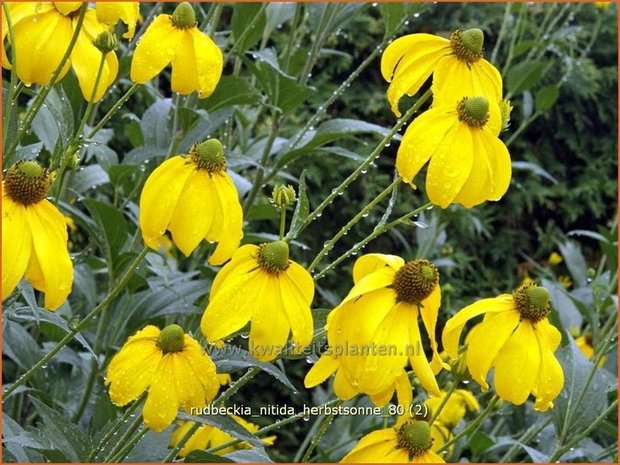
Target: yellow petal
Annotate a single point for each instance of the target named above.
(44, 43)
(429, 313)
(227, 225)
(379, 279)
(53, 273)
(160, 196)
(18, 12)
(300, 276)
(16, 244)
(552, 336)
(202, 366)
(428, 457)
(296, 308)
(372, 447)
(450, 166)
(517, 365)
(452, 330)
(155, 49)
(419, 363)
(192, 217)
(486, 340)
(66, 8)
(209, 63)
(189, 389)
(184, 79)
(162, 403)
(501, 167)
(422, 139)
(550, 376)
(404, 394)
(397, 455)
(480, 182)
(495, 123)
(371, 262)
(343, 387)
(244, 255)
(128, 12)
(382, 397)
(321, 370)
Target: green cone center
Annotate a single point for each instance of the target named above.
(473, 111)
(273, 256)
(27, 182)
(183, 16)
(532, 302)
(415, 436)
(467, 45)
(171, 339)
(209, 155)
(415, 281)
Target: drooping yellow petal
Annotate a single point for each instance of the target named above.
(300, 276)
(189, 389)
(417, 358)
(16, 244)
(422, 139)
(479, 184)
(379, 279)
(111, 12)
(321, 370)
(517, 365)
(371, 262)
(296, 308)
(209, 63)
(485, 340)
(551, 376)
(162, 403)
(553, 337)
(372, 447)
(501, 166)
(192, 216)
(43, 42)
(66, 8)
(17, 12)
(54, 273)
(160, 196)
(227, 225)
(202, 366)
(244, 255)
(344, 388)
(404, 394)
(452, 330)
(155, 49)
(428, 457)
(184, 78)
(429, 313)
(450, 166)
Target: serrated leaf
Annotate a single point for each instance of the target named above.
(302, 208)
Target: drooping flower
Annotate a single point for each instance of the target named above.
(110, 13)
(374, 332)
(410, 443)
(34, 235)
(194, 198)
(171, 365)
(42, 33)
(456, 64)
(196, 61)
(458, 404)
(584, 343)
(469, 164)
(207, 436)
(517, 340)
(263, 286)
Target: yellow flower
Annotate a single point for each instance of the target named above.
(111, 13)
(554, 259)
(469, 164)
(584, 342)
(374, 332)
(261, 285)
(516, 339)
(565, 281)
(34, 235)
(602, 5)
(42, 32)
(208, 436)
(196, 61)
(170, 365)
(194, 198)
(457, 66)
(410, 443)
(455, 407)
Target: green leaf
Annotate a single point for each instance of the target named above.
(111, 226)
(156, 124)
(480, 442)
(65, 436)
(18, 344)
(243, 14)
(524, 76)
(87, 177)
(575, 262)
(277, 13)
(392, 14)
(302, 208)
(54, 122)
(18, 441)
(232, 91)
(254, 455)
(546, 96)
(201, 456)
(534, 169)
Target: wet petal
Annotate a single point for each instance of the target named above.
(155, 49)
(501, 167)
(296, 308)
(202, 366)
(242, 261)
(419, 363)
(321, 370)
(551, 376)
(372, 447)
(162, 403)
(209, 63)
(371, 262)
(16, 244)
(227, 225)
(429, 313)
(111, 12)
(382, 278)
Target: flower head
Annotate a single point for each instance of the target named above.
(409, 443)
(517, 340)
(456, 64)
(469, 164)
(194, 198)
(196, 61)
(42, 32)
(171, 365)
(374, 332)
(34, 235)
(263, 286)
(208, 436)
(110, 13)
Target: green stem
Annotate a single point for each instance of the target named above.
(362, 213)
(528, 434)
(473, 426)
(291, 42)
(217, 12)
(175, 139)
(127, 441)
(319, 435)
(113, 110)
(282, 222)
(502, 32)
(443, 403)
(11, 97)
(246, 31)
(41, 96)
(376, 233)
(81, 325)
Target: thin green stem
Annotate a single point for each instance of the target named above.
(128, 441)
(245, 32)
(291, 42)
(443, 403)
(502, 32)
(113, 110)
(282, 222)
(319, 435)
(175, 139)
(81, 325)
(41, 96)
(10, 103)
(217, 12)
(361, 214)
